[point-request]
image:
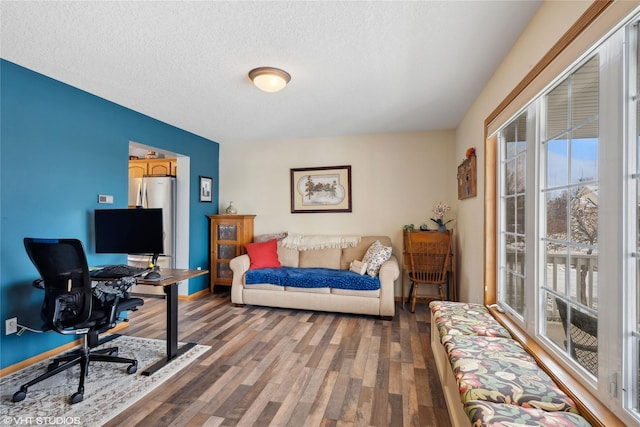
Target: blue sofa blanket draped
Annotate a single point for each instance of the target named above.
(312, 278)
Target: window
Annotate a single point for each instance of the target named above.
(512, 214)
(569, 187)
(567, 233)
(633, 296)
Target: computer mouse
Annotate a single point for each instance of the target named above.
(152, 275)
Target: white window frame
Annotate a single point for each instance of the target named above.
(529, 189)
(617, 239)
(631, 336)
(541, 215)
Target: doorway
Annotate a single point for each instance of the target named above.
(182, 203)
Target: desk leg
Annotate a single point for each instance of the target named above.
(172, 331)
(172, 320)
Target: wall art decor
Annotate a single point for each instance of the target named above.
(206, 189)
(321, 189)
(467, 176)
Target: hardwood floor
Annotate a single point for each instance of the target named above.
(279, 367)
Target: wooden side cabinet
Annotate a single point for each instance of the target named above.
(227, 236)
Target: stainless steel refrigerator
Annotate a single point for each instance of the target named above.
(156, 192)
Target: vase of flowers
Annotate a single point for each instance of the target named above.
(438, 215)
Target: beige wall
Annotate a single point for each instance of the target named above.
(396, 179)
(552, 20)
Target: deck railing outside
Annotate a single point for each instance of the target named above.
(582, 278)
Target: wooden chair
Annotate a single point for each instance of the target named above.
(429, 258)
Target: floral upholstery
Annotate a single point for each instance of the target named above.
(500, 384)
(489, 414)
(456, 307)
(497, 369)
(465, 319)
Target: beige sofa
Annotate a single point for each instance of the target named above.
(374, 302)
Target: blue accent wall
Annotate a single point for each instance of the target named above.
(59, 148)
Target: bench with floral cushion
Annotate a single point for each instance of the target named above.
(488, 378)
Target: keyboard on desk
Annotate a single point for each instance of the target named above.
(117, 271)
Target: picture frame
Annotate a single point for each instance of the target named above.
(467, 178)
(206, 189)
(321, 189)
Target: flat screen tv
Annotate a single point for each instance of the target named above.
(129, 231)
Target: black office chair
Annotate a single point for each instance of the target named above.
(71, 308)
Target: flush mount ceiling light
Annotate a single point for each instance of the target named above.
(269, 79)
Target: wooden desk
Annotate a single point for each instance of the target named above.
(452, 292)
(170, 286)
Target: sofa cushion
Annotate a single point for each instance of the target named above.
(263, 254)
(357, 252)
(268, 287)
(376, 255)
(288, 257)
(320, 258)
(308, 290)
(356, 293)
(312, 278)
(273, 276)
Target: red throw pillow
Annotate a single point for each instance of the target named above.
(263, 254)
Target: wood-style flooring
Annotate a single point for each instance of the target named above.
(280, 367)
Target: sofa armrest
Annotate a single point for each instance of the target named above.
(239, 265)
(389, 272)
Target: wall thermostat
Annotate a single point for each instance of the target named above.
(102, 198)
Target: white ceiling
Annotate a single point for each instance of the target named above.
(357, 67)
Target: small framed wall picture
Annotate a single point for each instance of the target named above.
(206, 189)
(467, 178)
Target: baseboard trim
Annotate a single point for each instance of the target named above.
(51, 353)
(194, 296)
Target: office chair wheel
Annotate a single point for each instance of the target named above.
(19, 395)
(52, 366)
(76, 397)
(131, 369)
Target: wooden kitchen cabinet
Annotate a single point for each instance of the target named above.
(159, 166)
(227, 236)
(145, 167)
(137, 168)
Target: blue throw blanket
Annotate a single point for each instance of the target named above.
(312, 278)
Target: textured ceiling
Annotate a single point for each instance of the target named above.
(357, 67)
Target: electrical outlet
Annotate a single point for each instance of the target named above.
(11, 326)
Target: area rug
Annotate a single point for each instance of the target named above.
(108, 388)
